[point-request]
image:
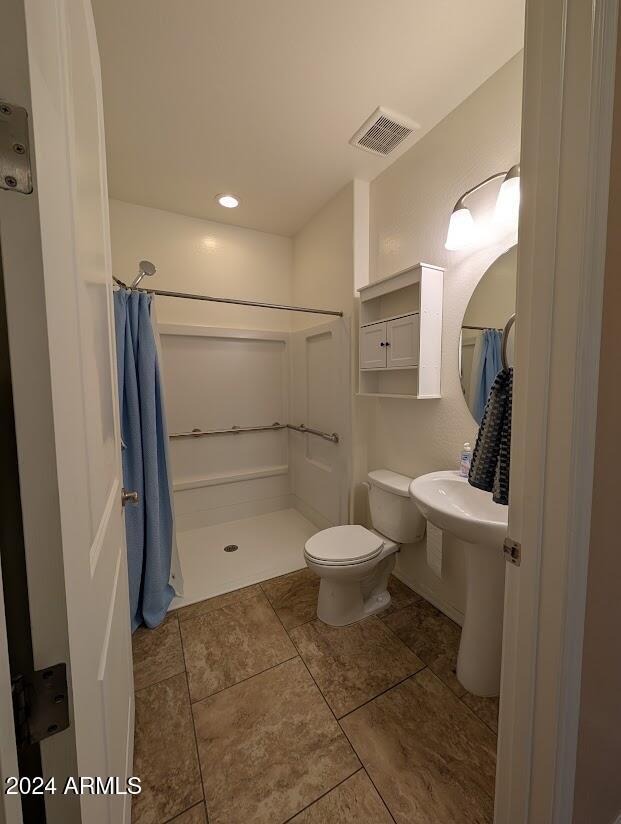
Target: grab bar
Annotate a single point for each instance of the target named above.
(327, 436)
(236, 430)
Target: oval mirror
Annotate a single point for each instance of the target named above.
(480, 343)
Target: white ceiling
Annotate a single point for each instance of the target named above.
(260, 97)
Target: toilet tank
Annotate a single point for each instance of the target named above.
(393, 513)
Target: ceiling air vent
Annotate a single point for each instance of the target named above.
(383, 132)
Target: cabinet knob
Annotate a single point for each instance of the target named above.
(382, 343)
(387, 343)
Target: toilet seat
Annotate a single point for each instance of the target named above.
(344, 545)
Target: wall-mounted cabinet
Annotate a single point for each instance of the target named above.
(401, 334)
(390, 344)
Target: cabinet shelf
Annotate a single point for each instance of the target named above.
(388, 368)
(400, 341)
(393, 395)
(385, 320)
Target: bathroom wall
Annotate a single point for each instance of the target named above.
(323, 275)
(252, 378)
(246, 374)
(323, 260)
(410, 207)
(194, 255)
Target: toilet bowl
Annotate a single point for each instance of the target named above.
(354, 563)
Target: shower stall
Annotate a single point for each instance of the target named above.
(259, 440)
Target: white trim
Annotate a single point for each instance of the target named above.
(362, 207)
(569, 71)
(229, 477)
(203, 331)
(399, 280)
(605, 13)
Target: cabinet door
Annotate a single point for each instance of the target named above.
(402, 341)
(373, 346)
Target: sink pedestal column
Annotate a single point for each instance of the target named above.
(480, 650)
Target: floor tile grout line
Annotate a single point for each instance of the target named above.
(289, 630)
(383, 692)
(198, 755)
(158, 683)
(418, 600)
(428, 666)
(353, 749)
(243, 680)
(224, 606)
(327, 792)
(340, 726)
(187, 809)
(146, 686)
(384, 802)
(306, 666)
(476, 714)
(368, 701)
(437, 677)
(286, 629)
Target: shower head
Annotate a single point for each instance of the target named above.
(145, 269)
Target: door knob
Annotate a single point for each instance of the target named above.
(128, 497)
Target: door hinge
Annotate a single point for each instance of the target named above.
(513, 551)
(40, 704)
(15, 169)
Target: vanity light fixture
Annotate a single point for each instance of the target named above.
(462, 228)
(228, 201)
(508, 200)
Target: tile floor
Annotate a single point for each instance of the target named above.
(251, 711)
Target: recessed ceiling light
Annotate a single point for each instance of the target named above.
(228, 201)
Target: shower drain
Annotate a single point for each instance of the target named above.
(231, 548)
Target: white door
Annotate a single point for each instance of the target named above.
(319, 398)
(373, 346)
(402, 338)
(83, 612)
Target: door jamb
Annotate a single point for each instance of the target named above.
(567, 127)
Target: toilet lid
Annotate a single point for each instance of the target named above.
(344, 545)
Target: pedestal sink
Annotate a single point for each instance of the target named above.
(448, 501)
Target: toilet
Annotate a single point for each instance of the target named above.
(354, 563)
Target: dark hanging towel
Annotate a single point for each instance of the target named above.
(491, 458)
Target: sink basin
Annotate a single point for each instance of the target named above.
(447, 500)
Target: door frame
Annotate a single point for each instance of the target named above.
(16, 658)
(20, 238)
(569, 70)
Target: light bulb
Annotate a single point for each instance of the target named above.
(508, 201)
(461, 230)
(228, 201)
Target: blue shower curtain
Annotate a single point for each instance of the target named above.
(149, 523)
(485, 371)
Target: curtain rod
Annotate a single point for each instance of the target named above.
(482, 328)
(256, 304)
